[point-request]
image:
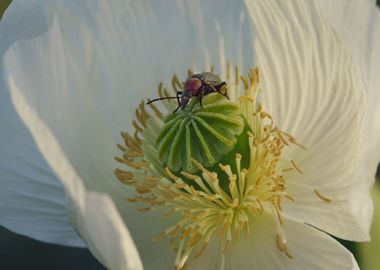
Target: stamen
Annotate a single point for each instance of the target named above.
(322, 197)
(237, 76)
(166, 93)
(296, 167)
(286, 251)
(142, 115)
(211, 199)
(282, 246)
(282, 139)
(245, 82)
(137, 127)
(159, 237)
(247, 98)
(143, 209)
(292, 140)
(170, 174)
(279, 242)
(156, 110)
(228, 71)
(124, 176)
(177, 86)
(202, 250)
(160, 93)
(222, 262)
(122, 148)
(184, 258)
(178, 257)
(289, 198)
(287, 170)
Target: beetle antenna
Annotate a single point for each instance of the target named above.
(157, 99)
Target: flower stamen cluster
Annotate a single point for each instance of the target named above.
(220, 200)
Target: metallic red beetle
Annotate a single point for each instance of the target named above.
(197, 85)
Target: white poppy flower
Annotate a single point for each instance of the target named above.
(76, 86)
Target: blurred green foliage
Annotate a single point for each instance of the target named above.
(368, 253)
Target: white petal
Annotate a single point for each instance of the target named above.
(310, 249)
(357, 24)
(86, 141)
(101, 226)
(334, 217)
(32, 201)
(95, 216)
(316, 250)
(86, 86)
(22, 19)
(315, 91)
(85, 77)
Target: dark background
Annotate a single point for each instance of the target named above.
(20, 252)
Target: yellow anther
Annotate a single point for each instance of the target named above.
(322, 197)
(296, 166)
(159, 90)
(177, 86)
(237, 76)
(245, 82)
(170, 174)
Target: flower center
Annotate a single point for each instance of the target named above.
(216, 165)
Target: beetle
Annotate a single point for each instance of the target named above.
(197, 85)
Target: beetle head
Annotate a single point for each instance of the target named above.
(185, 98)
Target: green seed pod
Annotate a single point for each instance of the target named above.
(204, 133)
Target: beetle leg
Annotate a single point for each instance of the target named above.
(220, 86)
(178, 94)
(217, 89)
(213, 88)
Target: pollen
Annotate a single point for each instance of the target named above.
(212, 199)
